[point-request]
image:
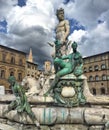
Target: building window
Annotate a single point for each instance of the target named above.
(96, 67)
(95, 58)
(94, 91)
(29, 66)
(2, 75)
(97, 78)
(11, 73)
(91, 78)
(103, 57)
(12, 60)
(4, 57)
(85, 69)
(103, 66)
(20, 62)
(90, 68)
(20, 76)
(28, 74)
(103, 91)
(104, 77)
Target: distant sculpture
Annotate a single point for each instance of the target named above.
(21, 103)
(62, 30)
(73, 65)
(41, 80)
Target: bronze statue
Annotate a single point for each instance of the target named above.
(66, 64)
(21, 103)
(73, 65)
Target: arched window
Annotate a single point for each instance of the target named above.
(11, 73)
(85, 69)
(104, 77)
(103, 57)
(20, 62)
(91, 78)
(103, 91)
(103, 66)
(20, 76)
(2, 75)
(94, 91)
(97, 78)
(12, 60)
(95, 58)
(96, 67)
(4, 57)
(90, 68)
(29, 66)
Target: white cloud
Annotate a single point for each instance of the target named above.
(77, 35)
(87, 12)
(6, 6)
(31, 15)
(96, 41)
(33, 25)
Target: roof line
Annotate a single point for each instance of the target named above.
(96, 55)
(12, 49)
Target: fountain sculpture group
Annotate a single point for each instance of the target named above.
(64, 102)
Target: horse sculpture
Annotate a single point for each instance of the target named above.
(32, 85)
(35, 86)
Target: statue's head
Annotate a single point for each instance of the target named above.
(12, 80)
(74, 46)
(60, 14)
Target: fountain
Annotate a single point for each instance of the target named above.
(64, 102)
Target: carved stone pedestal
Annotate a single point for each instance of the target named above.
(69, 91)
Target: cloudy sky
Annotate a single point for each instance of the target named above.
(26, 24)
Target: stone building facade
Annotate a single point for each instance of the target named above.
(32, 69)
(96, 68)
(12, 62)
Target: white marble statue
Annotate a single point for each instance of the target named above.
(32, 85)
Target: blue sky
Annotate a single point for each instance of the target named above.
(21, 3)
(31, 23)
(3, 26)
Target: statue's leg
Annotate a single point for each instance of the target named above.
(60, 63)
(64, 72)
(32, 115)
(11, 106)
(61, 73)
(58, 75)
(57, 62)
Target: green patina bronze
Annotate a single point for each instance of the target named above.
(21, 103)
(65, 65)
(58, 54)
(58, 45)
(73, 65)
(77, 99)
